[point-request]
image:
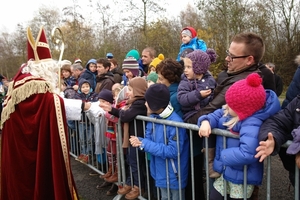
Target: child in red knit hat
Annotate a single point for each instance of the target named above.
(248, 105)
(190, 41)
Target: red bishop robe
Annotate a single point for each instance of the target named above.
(35, 163)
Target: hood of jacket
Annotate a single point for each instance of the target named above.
(82, 81)
(87, 66)
(271, 106)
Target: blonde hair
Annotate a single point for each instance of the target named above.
(116, 88)
(233, 121)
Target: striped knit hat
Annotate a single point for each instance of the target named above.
(132, 65)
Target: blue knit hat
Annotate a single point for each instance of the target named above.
(157, 96)
(109, 55)
(106, 95)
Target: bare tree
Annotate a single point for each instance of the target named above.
(47, 17)
(139, 13)
(8, 56)
(284, 19)
(118, 26)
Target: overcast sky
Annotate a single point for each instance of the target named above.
(21, 11)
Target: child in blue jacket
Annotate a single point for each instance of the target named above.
(190, 41)
(162, 149)
(248, 105)
(86, 131)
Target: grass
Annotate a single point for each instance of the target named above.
(282, 97)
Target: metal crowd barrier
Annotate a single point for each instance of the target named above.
(99, 163)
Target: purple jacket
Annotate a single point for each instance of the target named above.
(189, 94)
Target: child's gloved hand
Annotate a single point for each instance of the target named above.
(62, 94)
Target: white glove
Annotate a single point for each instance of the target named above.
(73, 108)
(62, 94)
(95, 110)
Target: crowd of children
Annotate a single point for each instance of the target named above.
(177, 90)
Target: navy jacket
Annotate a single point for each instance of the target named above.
(88, 75)
(282, 124)
(293, 89)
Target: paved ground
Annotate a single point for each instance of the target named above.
(86, 184)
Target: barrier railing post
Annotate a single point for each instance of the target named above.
(296, 182)
(179, 167)
(225, 182)
(206, 170)
(192, 164)
(245, 182)
(147, 166)
(269, 178)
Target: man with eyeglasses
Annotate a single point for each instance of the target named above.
(243, 57)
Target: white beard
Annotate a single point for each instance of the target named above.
(47, 70)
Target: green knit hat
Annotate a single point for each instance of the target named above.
(152, 77)
(133, 53)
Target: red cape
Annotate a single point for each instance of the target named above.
(35, 163)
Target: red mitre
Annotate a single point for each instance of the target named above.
(38, 50)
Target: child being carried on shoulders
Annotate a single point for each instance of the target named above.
(190, 41)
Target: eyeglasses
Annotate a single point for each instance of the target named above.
(233, 57)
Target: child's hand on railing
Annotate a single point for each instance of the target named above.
(205, 129)
(134, 141)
